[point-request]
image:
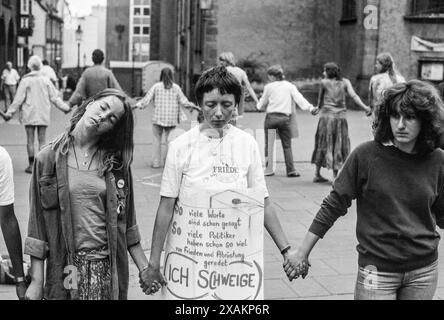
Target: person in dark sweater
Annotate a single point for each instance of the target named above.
(398, 183)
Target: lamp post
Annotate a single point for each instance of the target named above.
(205, 7)
(133, 52)
(79, 34)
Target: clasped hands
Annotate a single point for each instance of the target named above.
(151, 280)
(296, 264)
(6, 116)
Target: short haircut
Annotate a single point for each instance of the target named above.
(98, 56)
(332, 70)
(414, 97)
(34, 63)
(218, 78)
(45, 62)
(276, 71)
(228, 58)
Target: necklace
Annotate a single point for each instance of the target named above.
(85, 156)
(214, 151)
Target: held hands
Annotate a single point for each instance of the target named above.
(296, 264)
(151, 280)
(315, 111)
(368, 111)
(5, 116)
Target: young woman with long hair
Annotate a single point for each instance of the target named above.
(386, 76)
(332, 143)
(398, 183)
(82, 219)
(168, 101)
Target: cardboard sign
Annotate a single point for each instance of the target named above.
(215, 247)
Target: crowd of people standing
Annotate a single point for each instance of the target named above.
(82, 206)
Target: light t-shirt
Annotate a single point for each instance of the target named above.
(10, 78)
(201, 162)
(49, 72)
(278, 97)
(240, 74)
(6, 179)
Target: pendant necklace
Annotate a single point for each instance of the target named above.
(214, 152)
(86, 156)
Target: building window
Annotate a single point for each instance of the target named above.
(427, 7)
(431, 70)
(136, 30)
(349, 10)
(24, 7)
(24, 23)
(137, 11)
(146, 30)
(146, 11)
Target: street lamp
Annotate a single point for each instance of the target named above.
(133, 52)
(79, 34)
(205, 7)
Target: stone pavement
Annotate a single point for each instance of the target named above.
(334, 259)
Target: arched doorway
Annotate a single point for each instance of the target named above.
(2, 43)
(11, 43)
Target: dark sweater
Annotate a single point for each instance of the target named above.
(400, 201)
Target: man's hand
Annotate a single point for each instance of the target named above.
(315, 111)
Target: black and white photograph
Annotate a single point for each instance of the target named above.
(247, 151)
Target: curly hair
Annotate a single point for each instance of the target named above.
(412, 98)
(117, 145)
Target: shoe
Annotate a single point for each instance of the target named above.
(293, 174)
(28, 169)
(268, 174)
(319, 179)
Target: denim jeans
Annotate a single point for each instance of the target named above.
(419, 284)
(281, 123)
(157, 133)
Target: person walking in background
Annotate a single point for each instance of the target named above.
(49, 72)
(34, 97)
(82, 192)
(277, 98)
(385, 77)
(332, 143)
(10, 79)
(94, 80)
(398, 182)
(168, 101)
(9, 224)
(227, 59)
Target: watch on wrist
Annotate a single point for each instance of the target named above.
(285, 250)
(19, 279)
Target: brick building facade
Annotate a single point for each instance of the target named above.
(369, 27)
(301, 35)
